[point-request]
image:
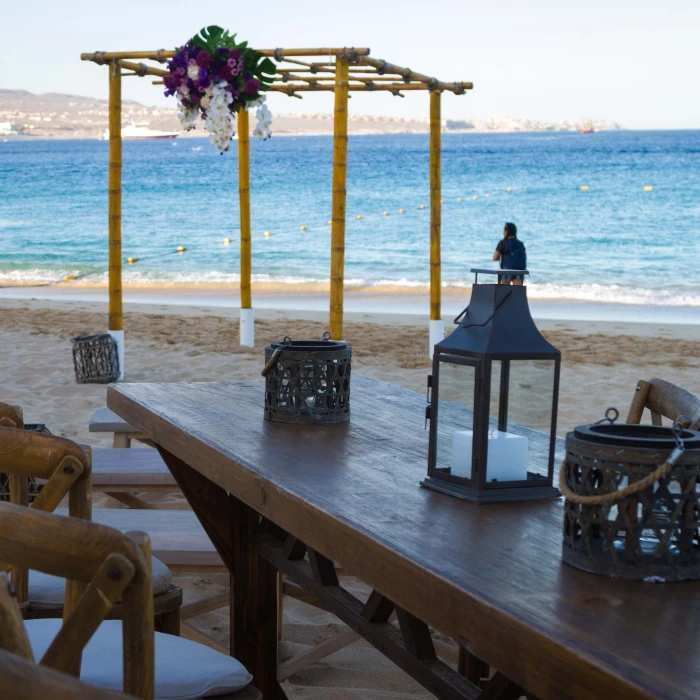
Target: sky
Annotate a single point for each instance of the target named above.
(634, 63)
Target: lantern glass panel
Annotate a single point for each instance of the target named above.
(521, 401)
(455, 419)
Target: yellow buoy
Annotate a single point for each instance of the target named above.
(488, 195)
(442, 201)
(181, 249)
(386, 213)
(584, 188)
(422, 206)
(132, 260)
(401, 211)
(302, 228)
(475, 198)
(330, 223)
(508, 190)
(227, 241)
(359, 216)
(267, 234)
(648, 188)
(69, 278)
(459, 199)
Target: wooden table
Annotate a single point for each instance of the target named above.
(489, 576)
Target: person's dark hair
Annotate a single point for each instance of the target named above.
(512, 229)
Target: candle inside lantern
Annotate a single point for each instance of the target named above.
(506, 460)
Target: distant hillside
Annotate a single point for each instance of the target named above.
(54, 115)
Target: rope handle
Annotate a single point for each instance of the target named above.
(615, 496)
(285, 344)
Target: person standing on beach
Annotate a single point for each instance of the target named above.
(512, 255)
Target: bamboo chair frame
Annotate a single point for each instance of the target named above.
(67, 468)
(78, 487)
(664, 400)
(338, 70)
(107, 564)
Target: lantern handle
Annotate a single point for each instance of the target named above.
(632, 488)
(275, 356)
(490, 318)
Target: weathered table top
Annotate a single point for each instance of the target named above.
(490, 576)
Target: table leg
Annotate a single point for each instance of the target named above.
(232, 527)
(254, 611)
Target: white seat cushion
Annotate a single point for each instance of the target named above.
(184, 670)
(48, 592)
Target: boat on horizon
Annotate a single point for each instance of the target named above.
(141, 133)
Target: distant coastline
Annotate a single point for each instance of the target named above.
(58, 116)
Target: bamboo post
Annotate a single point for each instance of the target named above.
(116, 322)
(437, 326)
(340, 168)
(247, 327)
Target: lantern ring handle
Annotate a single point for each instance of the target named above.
(611, 415)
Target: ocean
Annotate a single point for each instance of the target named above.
(615, 242)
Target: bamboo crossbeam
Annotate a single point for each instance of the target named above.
(138, 68)
(162, 55)
(340, 167)
(323, 87)
(244, 199)
(116, 321)
(435, 206)
(408, 74)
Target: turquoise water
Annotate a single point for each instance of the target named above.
(614, 242)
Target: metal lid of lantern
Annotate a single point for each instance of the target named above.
(498, 323)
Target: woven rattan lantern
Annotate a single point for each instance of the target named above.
(307, 381)
(493, 392)
(632, 501)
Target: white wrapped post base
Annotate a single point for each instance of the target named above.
(436, 335)
(506, 458)
(119, 337)
(248, 328)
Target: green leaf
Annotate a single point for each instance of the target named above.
(267, 66)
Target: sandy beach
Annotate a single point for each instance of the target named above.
(602, 362)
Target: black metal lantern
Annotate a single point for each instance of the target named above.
(493, 400)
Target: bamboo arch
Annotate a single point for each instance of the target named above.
(337, 70)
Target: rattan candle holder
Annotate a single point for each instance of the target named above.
(632, 501)
(307, 381)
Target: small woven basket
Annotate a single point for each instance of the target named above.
(96, 359)
(307, 381)
(612, 527)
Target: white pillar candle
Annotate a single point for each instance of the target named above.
(506, 457)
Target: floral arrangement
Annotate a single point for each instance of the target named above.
(214, 76)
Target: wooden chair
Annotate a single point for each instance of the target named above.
(105, 566)
(21, 679)
(67, 468)
(664, 400)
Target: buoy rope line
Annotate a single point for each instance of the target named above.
(73, 278)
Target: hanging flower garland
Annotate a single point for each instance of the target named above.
(213, 76)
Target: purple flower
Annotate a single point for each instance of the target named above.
(224, 53)
(251, 86)
(235, 54)
(203, 59)
(202, 74)
(226, 72)
(204, 83)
